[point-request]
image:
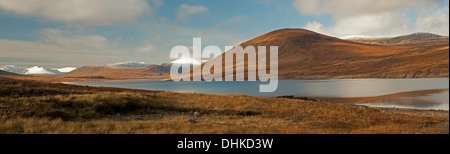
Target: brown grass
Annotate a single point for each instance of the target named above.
(34, 107)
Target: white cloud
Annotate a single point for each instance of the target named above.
(374, 18)
(380, 25)
(236, 19)
(156, 3)
(145, 49)
(62, 48)
(38, 53)
(352, 7)
(314, 26)
(185, 11)
(71, 40)
(146, 46)
(84, 12)
(434, 22)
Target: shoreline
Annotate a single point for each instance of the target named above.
(397, 99)
(369, 101)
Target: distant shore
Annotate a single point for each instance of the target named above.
(371, 101)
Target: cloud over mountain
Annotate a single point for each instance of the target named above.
(376, 18)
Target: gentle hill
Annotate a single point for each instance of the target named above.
(305, 54)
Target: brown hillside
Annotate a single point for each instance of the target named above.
(305, 54)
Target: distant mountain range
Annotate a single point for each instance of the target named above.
(36, 70)
(120, 70)
(305, 54)
(406, 40)
(128, 64)
(127, 70)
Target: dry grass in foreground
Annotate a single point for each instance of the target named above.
(35, 107)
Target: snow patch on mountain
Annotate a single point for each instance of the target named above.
(128, 64)
(13, 69)
(66, 69)
(190, 61)
(356, 37)
(39, 70)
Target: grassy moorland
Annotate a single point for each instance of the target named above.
(36, 107)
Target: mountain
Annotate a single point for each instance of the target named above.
(406, 40)
(150, 71)
(305, 54)
(39, 70)
(128, 64)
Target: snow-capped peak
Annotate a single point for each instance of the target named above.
(39, 70)
(66, 69)
(188, 61)
(355, 37)
(128, 64)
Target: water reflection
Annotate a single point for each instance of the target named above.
(426, 99)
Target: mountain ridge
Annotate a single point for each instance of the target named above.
(36, 70)
(151, 71)
(419, 38)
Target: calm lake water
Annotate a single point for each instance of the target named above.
(399, 93)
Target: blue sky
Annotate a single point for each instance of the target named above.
(64, 33)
